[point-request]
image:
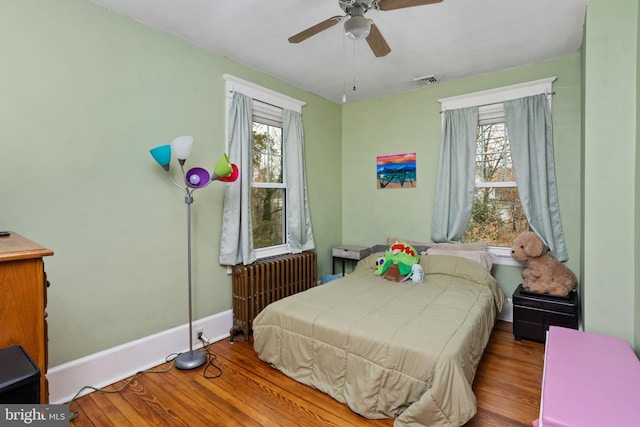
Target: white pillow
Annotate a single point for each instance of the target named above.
(475, 246)
(483, 258)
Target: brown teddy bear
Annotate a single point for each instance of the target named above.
(543, 273)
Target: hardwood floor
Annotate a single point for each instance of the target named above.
(251, 393)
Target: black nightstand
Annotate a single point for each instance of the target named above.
(534, 313)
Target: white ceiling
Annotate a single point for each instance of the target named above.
(450, 40)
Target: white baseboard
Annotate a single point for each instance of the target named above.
(117, 363)
(507, 311)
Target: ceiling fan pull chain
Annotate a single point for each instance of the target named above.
(354, 65)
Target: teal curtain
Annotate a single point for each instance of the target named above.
(300, 236)
(531, 137)
(236, 237)
(456, 174)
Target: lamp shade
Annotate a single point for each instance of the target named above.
(357, 27)
(232, 176)
(162, 155)
(197, 177)
(222, 168)
(181, 146)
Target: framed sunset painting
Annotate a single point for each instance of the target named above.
(396, 171)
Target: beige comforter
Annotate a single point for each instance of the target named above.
(388, 349)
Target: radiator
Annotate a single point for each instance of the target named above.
(256, 285)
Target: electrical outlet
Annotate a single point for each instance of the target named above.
(199, 333)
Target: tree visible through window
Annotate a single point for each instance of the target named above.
(268, 187)
(497, 215)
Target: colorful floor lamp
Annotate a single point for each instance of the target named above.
(194, 178)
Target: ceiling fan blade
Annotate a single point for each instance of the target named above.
(400, 4)
(312, 31)
(377, 43)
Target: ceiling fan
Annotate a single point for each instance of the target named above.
(356, 26)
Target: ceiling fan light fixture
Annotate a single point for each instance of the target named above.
(357, 27)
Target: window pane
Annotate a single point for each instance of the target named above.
(275, 169)
(267, 205)
(493, 156)
(496, 217)
(267, 153)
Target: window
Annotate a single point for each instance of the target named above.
(497, 215)
(274, 176)
(268, 184)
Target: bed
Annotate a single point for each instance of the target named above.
(386, 349)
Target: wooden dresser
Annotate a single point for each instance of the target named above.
(23, 299)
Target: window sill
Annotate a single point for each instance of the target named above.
(272, 251)
(503, 256)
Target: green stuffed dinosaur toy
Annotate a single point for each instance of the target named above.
(403, 255)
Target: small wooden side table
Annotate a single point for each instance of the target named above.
(351, 253)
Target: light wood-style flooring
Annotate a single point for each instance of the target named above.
(251, 393)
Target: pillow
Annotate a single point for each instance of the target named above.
(483, 258)
(476, 246)
(392, 239)
(378, 248)
(369, 262)
(421, 247)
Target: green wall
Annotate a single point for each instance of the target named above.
(411, 122)
(637, 195)
(610, 161)
(84, 94)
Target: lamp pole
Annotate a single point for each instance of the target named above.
(192, 359)
(194, 178)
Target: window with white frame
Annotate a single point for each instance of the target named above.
(268, 188)
(268, 182)
(497, 214)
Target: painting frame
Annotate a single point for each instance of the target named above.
(396, 171)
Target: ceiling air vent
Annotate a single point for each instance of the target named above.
(426, 80)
